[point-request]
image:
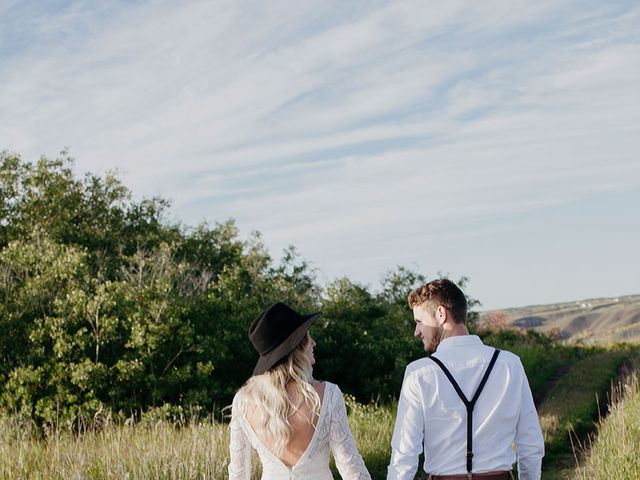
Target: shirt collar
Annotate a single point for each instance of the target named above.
(459, 341)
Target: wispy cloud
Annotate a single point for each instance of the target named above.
(335, 127)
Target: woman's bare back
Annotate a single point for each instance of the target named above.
(299, 420)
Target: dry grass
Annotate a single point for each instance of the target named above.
(161, 451)
(572, 405)
(372, 428)
(199, 450)
(158, 451)
(616, 452)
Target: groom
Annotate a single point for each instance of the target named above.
(466, 405)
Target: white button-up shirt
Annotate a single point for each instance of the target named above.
(431, 415)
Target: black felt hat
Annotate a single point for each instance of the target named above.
(276, 332)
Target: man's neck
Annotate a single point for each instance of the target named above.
(454, 330)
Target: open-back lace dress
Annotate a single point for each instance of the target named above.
(332, 434)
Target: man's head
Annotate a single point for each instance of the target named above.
(440, 310)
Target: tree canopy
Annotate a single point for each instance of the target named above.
(107, 306)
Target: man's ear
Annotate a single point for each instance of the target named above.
(442, 315)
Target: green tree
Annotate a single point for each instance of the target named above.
(37, 276)
(95, 213)
(105, 306)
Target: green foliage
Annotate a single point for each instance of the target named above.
(572, 407)
(372, 427)
(364, 342)
(615, 452)
(108, 312)
(541, 356)
(105, 306)
(95, 213)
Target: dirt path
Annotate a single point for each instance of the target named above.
(563, 466)
(551, 384)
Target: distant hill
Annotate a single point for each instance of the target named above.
(597, 320)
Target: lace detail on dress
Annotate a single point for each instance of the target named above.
(348, 460)
(320, 443)
(239, 447)
(332, 432)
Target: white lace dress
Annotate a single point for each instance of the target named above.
(332, 433)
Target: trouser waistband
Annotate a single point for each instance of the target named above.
(473, 476)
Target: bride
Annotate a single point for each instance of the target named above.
(282, 412)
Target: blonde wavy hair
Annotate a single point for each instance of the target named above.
(268, 394)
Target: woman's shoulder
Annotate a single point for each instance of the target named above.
(330, 390)
(241, 394)
(242, 400)
(324, 385)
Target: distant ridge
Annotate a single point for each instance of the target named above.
(594, 320)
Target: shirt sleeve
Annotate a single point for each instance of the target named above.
(239, 447)
(408, 434)
(348, 459)
(528, 439)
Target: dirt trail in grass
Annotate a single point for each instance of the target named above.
(542, 395)
(571, 403)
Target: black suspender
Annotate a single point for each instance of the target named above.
(467, 403)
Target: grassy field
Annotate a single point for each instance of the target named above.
(134, 452)
(198, 450)
(372, 429)
(161, 451)
(616, 451)
(569, 411)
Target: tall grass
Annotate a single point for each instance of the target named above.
(199, 449)
(372, 428)
(616, 452)
(160, 451)
(572, 406)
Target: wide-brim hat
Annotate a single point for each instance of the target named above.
(276, 332)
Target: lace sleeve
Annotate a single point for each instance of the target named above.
(239, 448)
(348, 460)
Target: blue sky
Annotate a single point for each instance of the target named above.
(497, 140)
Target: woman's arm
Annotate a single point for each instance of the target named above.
(348, 459)
(239, 447)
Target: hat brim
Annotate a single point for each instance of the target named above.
(269, 359)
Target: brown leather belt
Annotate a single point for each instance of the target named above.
(479, 476)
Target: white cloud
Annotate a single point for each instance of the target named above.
(334, 127)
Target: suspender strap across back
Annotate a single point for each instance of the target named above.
(469, 404)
